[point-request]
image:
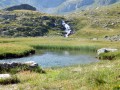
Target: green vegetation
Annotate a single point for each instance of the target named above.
(98, 76)
(21, 46)
(103, 75)
(8, 50)
(110, 55)
(97, 23)
(22, 23)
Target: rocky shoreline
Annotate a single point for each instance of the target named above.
(14, 67)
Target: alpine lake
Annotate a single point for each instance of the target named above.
(57, 58)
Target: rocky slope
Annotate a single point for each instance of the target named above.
(22, 23)
(59, 6)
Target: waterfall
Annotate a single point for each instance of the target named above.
(67, 28)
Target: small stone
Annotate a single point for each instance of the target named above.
(95, 39)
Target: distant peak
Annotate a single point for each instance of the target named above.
(21, 7)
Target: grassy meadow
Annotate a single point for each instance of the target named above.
(23, 45)
(103, 75)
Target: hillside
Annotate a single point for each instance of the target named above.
(72, 5)
(24, 23)
(97, 23)
(59, 6)
(93, 23)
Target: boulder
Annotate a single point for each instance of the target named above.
(105, 50)
(5, 76)
(31, 64)
(94, 39)
(28, 65)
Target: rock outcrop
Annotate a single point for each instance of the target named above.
(21, 7)
(29, 24)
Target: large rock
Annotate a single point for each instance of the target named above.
(5, 76)
(29, 65)
(105, 50)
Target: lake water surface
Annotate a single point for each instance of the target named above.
(51, 58)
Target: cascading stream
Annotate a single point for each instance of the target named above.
(67, 28)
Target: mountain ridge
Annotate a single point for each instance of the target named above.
(59, 6)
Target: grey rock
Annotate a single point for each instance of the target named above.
(105, 50)
(30, 64)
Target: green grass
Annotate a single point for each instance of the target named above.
(8, 50)
(21, 46)
(110, 55)
(96, 23)
(98, 76)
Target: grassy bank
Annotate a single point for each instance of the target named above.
(110, 55)
(18, 47)
(8, 50)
